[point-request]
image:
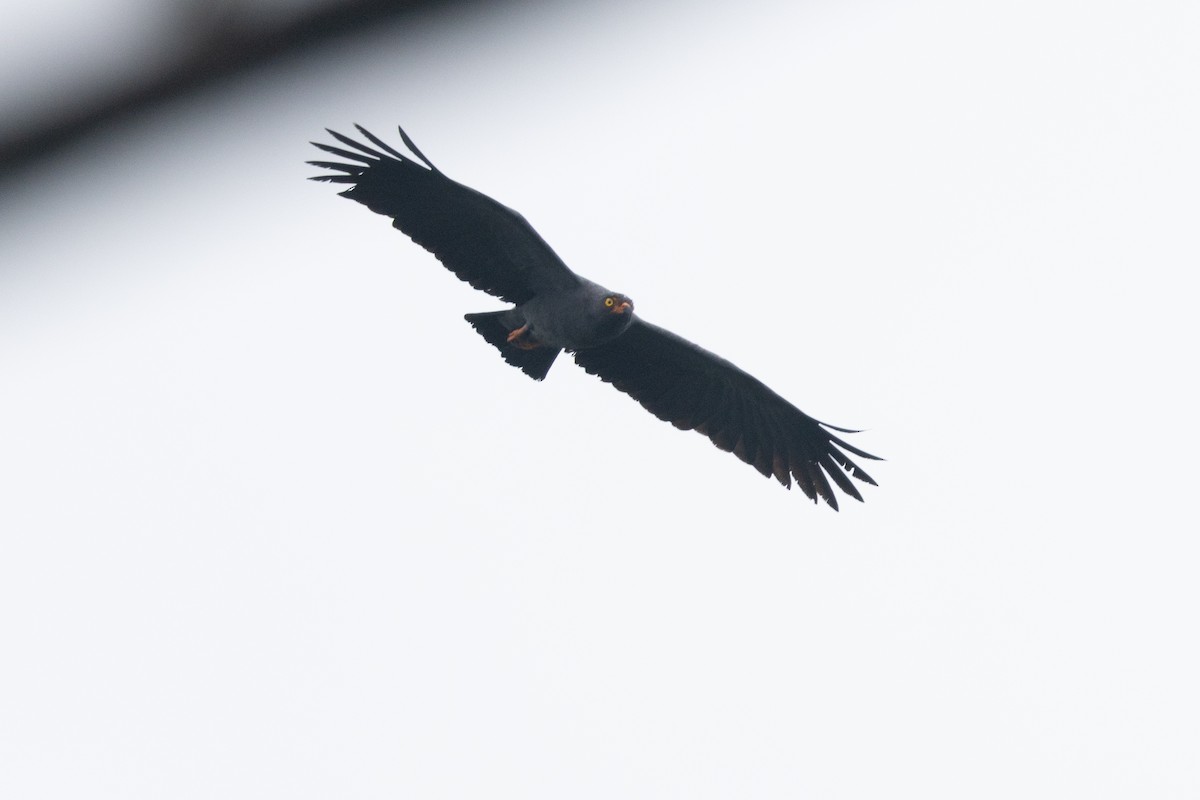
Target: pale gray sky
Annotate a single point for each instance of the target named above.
(276, 522)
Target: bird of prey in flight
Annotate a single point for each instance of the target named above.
(495, 250)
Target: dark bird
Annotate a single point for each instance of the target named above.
(495, 250)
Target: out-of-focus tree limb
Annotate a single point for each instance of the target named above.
(224, 45)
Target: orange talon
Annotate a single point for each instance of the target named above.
(517, 338)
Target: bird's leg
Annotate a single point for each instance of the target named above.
(519, 338)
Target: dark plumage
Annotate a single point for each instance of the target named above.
(494, 249)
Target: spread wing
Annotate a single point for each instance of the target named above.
(694, 389)
(481, 241)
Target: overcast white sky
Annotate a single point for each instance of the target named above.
(277, 523)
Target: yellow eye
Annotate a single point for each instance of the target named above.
(609, 302)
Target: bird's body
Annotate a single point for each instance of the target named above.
(577, 318)
(494, 249)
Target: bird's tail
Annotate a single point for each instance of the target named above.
(495, 327)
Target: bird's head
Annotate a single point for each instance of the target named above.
(618, 304)
(614, 313)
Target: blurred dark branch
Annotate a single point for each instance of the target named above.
(227, 45)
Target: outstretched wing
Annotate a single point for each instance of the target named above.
(692, 388)
(481, 241)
